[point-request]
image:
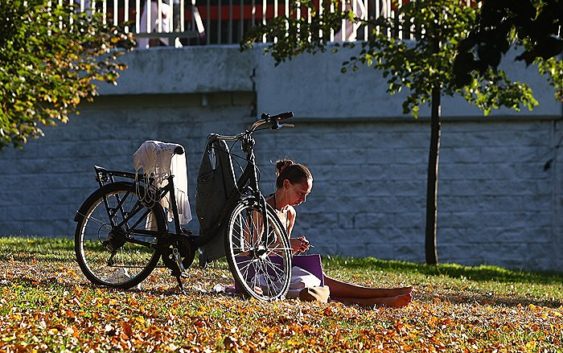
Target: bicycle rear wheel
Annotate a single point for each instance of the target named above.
(116, 235)
(260, 262)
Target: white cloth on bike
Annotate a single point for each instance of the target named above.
(159, 160)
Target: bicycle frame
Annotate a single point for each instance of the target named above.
(248, 179)
(247, 185)
(104, 176)
(134, 206)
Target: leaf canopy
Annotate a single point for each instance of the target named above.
(415, 50)
(50, 58)
(532, 26)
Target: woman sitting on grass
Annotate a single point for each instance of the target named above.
(293, 184)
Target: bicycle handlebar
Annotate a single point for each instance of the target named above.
(265, 119)
(278, 117)
(274, 120)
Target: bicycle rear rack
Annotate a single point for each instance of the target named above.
(104, 176)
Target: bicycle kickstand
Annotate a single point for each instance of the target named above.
(180, 284)
(177, 267)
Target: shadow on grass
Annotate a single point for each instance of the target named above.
(475, 273)
(489, 299)
(457, 298)
(166, 287)
(51, 249)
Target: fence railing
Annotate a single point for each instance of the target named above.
(196, 22)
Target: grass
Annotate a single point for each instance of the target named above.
(47, 305)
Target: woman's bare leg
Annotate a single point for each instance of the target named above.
(340, 289)
(394, 302)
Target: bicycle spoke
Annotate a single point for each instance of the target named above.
(241, 239)
(267, 276)
(275, 283)
(98, 221)
(246, 237)
(262, 277)
(255, 278)
(245, 269)
(276, 277)
(274, 267)
(257, 223)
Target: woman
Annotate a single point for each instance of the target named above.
(294, 182)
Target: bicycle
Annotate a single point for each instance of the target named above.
(122, 232)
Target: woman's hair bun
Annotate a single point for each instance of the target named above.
(294, 172)
(282, 164)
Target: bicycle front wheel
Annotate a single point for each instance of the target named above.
(260, 261)
(116, 235)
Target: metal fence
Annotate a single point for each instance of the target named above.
(198, 22)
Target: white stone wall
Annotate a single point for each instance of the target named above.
(45, 183)
(497, 204)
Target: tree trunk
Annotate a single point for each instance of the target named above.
(432, 180)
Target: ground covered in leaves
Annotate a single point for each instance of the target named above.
(47, 305)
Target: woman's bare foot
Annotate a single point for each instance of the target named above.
(394, 302)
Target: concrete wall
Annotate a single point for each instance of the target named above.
(45, 183)
(498, 203)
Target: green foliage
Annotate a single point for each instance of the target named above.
(295, 34)
(420, 58)
(552, 68)
(50, 58)
(437, 27)
(534, 27)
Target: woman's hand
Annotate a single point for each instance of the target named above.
(299, 245)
